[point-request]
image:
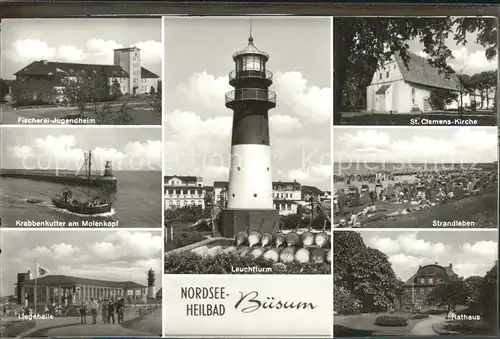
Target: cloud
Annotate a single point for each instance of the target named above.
(469, 62)
(408, 250)
(377, 145)
(284, 124)
(119, 256)
(62, 152)
(96, 51)
(308, 102)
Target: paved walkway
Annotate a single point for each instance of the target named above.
(424, 327)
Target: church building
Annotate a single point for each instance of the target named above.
(126, 69)
(396, 88)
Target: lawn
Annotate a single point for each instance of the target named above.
(403, 119)
(361, 325)
(464, 327)
(480, 208)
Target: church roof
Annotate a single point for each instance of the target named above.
(43, 67)
(419, 71)
(69, 280)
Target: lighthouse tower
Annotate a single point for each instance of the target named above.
(249, 197)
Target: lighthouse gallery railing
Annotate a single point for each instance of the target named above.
(257, 94)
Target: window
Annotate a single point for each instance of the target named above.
(380, 76)
(413, 94)
(394, 66)
(387, 74)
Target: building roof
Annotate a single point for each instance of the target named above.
(382, 89)
(147, 74)
(447, 270)
(221, 184)
(127, 49)
(68, 280)
(251, 50)
(225, 184)
(181, 177)
(419, 71)
(159, 293)
(285, 201)
(63, 69)
(311, 190)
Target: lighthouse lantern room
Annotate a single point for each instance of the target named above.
(250, 195)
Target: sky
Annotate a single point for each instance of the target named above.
(84, 40)
(106, 255)
(198, 58)
(469, 58)
(64, 148)
(471, 252)
(416, 145)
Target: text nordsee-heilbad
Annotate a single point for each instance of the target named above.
(204, 293)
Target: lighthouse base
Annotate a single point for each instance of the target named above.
(232, 221)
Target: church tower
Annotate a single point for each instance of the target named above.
(130, 60)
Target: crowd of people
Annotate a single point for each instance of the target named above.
(428, 189)
(112, 310)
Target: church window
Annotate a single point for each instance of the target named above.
(394, 66)
(387, 74)
(380, 76)
(413, 93)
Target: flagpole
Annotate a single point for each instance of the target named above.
(36, 287)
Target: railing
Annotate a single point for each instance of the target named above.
(251, 94)
(246, 74)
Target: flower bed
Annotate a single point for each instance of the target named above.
(392, 321)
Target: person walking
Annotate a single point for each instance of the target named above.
(105, 311)
(93, 310)
(111, 311)
(83, 313)
(120, 310)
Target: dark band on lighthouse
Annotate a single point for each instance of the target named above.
(251, 98)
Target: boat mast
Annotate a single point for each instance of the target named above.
(88, 174)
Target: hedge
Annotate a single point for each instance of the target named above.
(182, 239)
(391, 321)
(420, 316)
(188, 262)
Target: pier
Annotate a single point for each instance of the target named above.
(107, 182)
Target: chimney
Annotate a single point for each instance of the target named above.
(45, 62)
(451, 265)
(435, 263)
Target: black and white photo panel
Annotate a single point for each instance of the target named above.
(99, 283)
(405, 283)
(418, 71)
(406, 177)
(83, 71)
(81, 177)
(247, 176)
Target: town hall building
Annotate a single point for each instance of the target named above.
(126, 69)
(396, 88)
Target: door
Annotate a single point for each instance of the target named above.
(427, 105)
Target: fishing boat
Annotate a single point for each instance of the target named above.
(94, 203)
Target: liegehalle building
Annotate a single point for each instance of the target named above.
(69, 290)
(126, 69)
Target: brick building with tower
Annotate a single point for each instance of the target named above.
(127, 70)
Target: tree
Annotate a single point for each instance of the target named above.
(79, 92)
(474, 284)
(441, 97)
(489, 297)
(450, 294)
(4, 89)
(361, 44)
(464, 87)
(365, 272)
(101, 86)
(31, 90)
(116, 91)
(152, 90)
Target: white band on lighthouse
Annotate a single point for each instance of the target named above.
(250, 180)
